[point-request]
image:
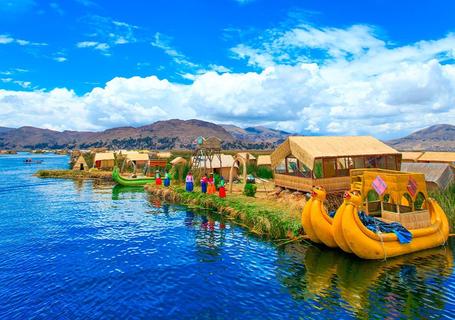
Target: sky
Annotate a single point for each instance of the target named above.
(382, 68)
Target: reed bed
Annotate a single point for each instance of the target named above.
(75, 174)
(260, 216)
(446, 198)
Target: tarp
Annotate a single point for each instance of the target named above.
(441, 174)
(307, 149)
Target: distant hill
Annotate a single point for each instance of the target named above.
(169, 134)
(440, 137)
(257, 134)
(5, 129)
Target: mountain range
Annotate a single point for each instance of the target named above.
(169, 134)
(440, 137)
(180, 134)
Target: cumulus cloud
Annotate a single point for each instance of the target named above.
(7, 39)
(359, 84)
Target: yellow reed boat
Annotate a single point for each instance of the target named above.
(390, 195)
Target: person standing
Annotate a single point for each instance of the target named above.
(211, 185)
(189, 182)
(222, 189)
(204, 182)
(158, 180)
(167, 179)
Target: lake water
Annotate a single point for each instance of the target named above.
(86, 250)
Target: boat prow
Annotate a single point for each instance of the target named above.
(130, 182)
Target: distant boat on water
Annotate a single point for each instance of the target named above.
(32, 161)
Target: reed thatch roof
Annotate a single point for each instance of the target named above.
(264, 160)
(137, 157)
(307, 149)
(164, 155)
(438, 157)
(246, 155)
(178, 160)
(104, 156)
(411, 156)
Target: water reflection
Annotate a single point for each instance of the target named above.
(118, 190)
(399, 286)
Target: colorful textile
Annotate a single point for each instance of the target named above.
(189, 186)
(222, 192)
(203, 186)
(377, 226)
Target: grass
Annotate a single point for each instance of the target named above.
(261, 216)
(75, 174)
(446, 198)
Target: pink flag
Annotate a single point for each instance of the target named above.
(379, 185)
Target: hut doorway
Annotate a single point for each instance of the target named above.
(81, 167)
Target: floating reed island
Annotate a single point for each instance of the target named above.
(73, 174)
(263, 217)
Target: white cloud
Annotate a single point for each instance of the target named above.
(93, 44)
(6, 39)
(163, 42)
(60, 59)
(108, 33)
(362, 86)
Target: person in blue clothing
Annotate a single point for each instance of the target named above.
(204, 182)
(189, 182)
(167, 179)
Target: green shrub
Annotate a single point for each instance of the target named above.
(264, 172)
(250, 189)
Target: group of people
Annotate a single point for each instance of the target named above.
(207, 184)
(167, 178)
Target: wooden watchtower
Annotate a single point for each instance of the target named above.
(206, 150)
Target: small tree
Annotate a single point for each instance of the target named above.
(250, 190)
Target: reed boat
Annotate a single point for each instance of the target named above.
(367, 244)
(316, 221)
(130, 182)
(389, 196)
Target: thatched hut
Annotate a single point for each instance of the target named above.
(222, 168)
(179, 160)
(437, 157)
(437, 175)
(139, 160)
(80, 164)
(249, 158)
(302, 162)
(104, 161)
(264, 160)
(412, 156)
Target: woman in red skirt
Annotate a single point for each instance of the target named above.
(221, 189)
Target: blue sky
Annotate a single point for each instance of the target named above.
(325, 67)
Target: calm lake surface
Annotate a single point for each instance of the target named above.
(86, 250)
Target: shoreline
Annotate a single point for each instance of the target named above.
(75, 175)
(259, 216)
